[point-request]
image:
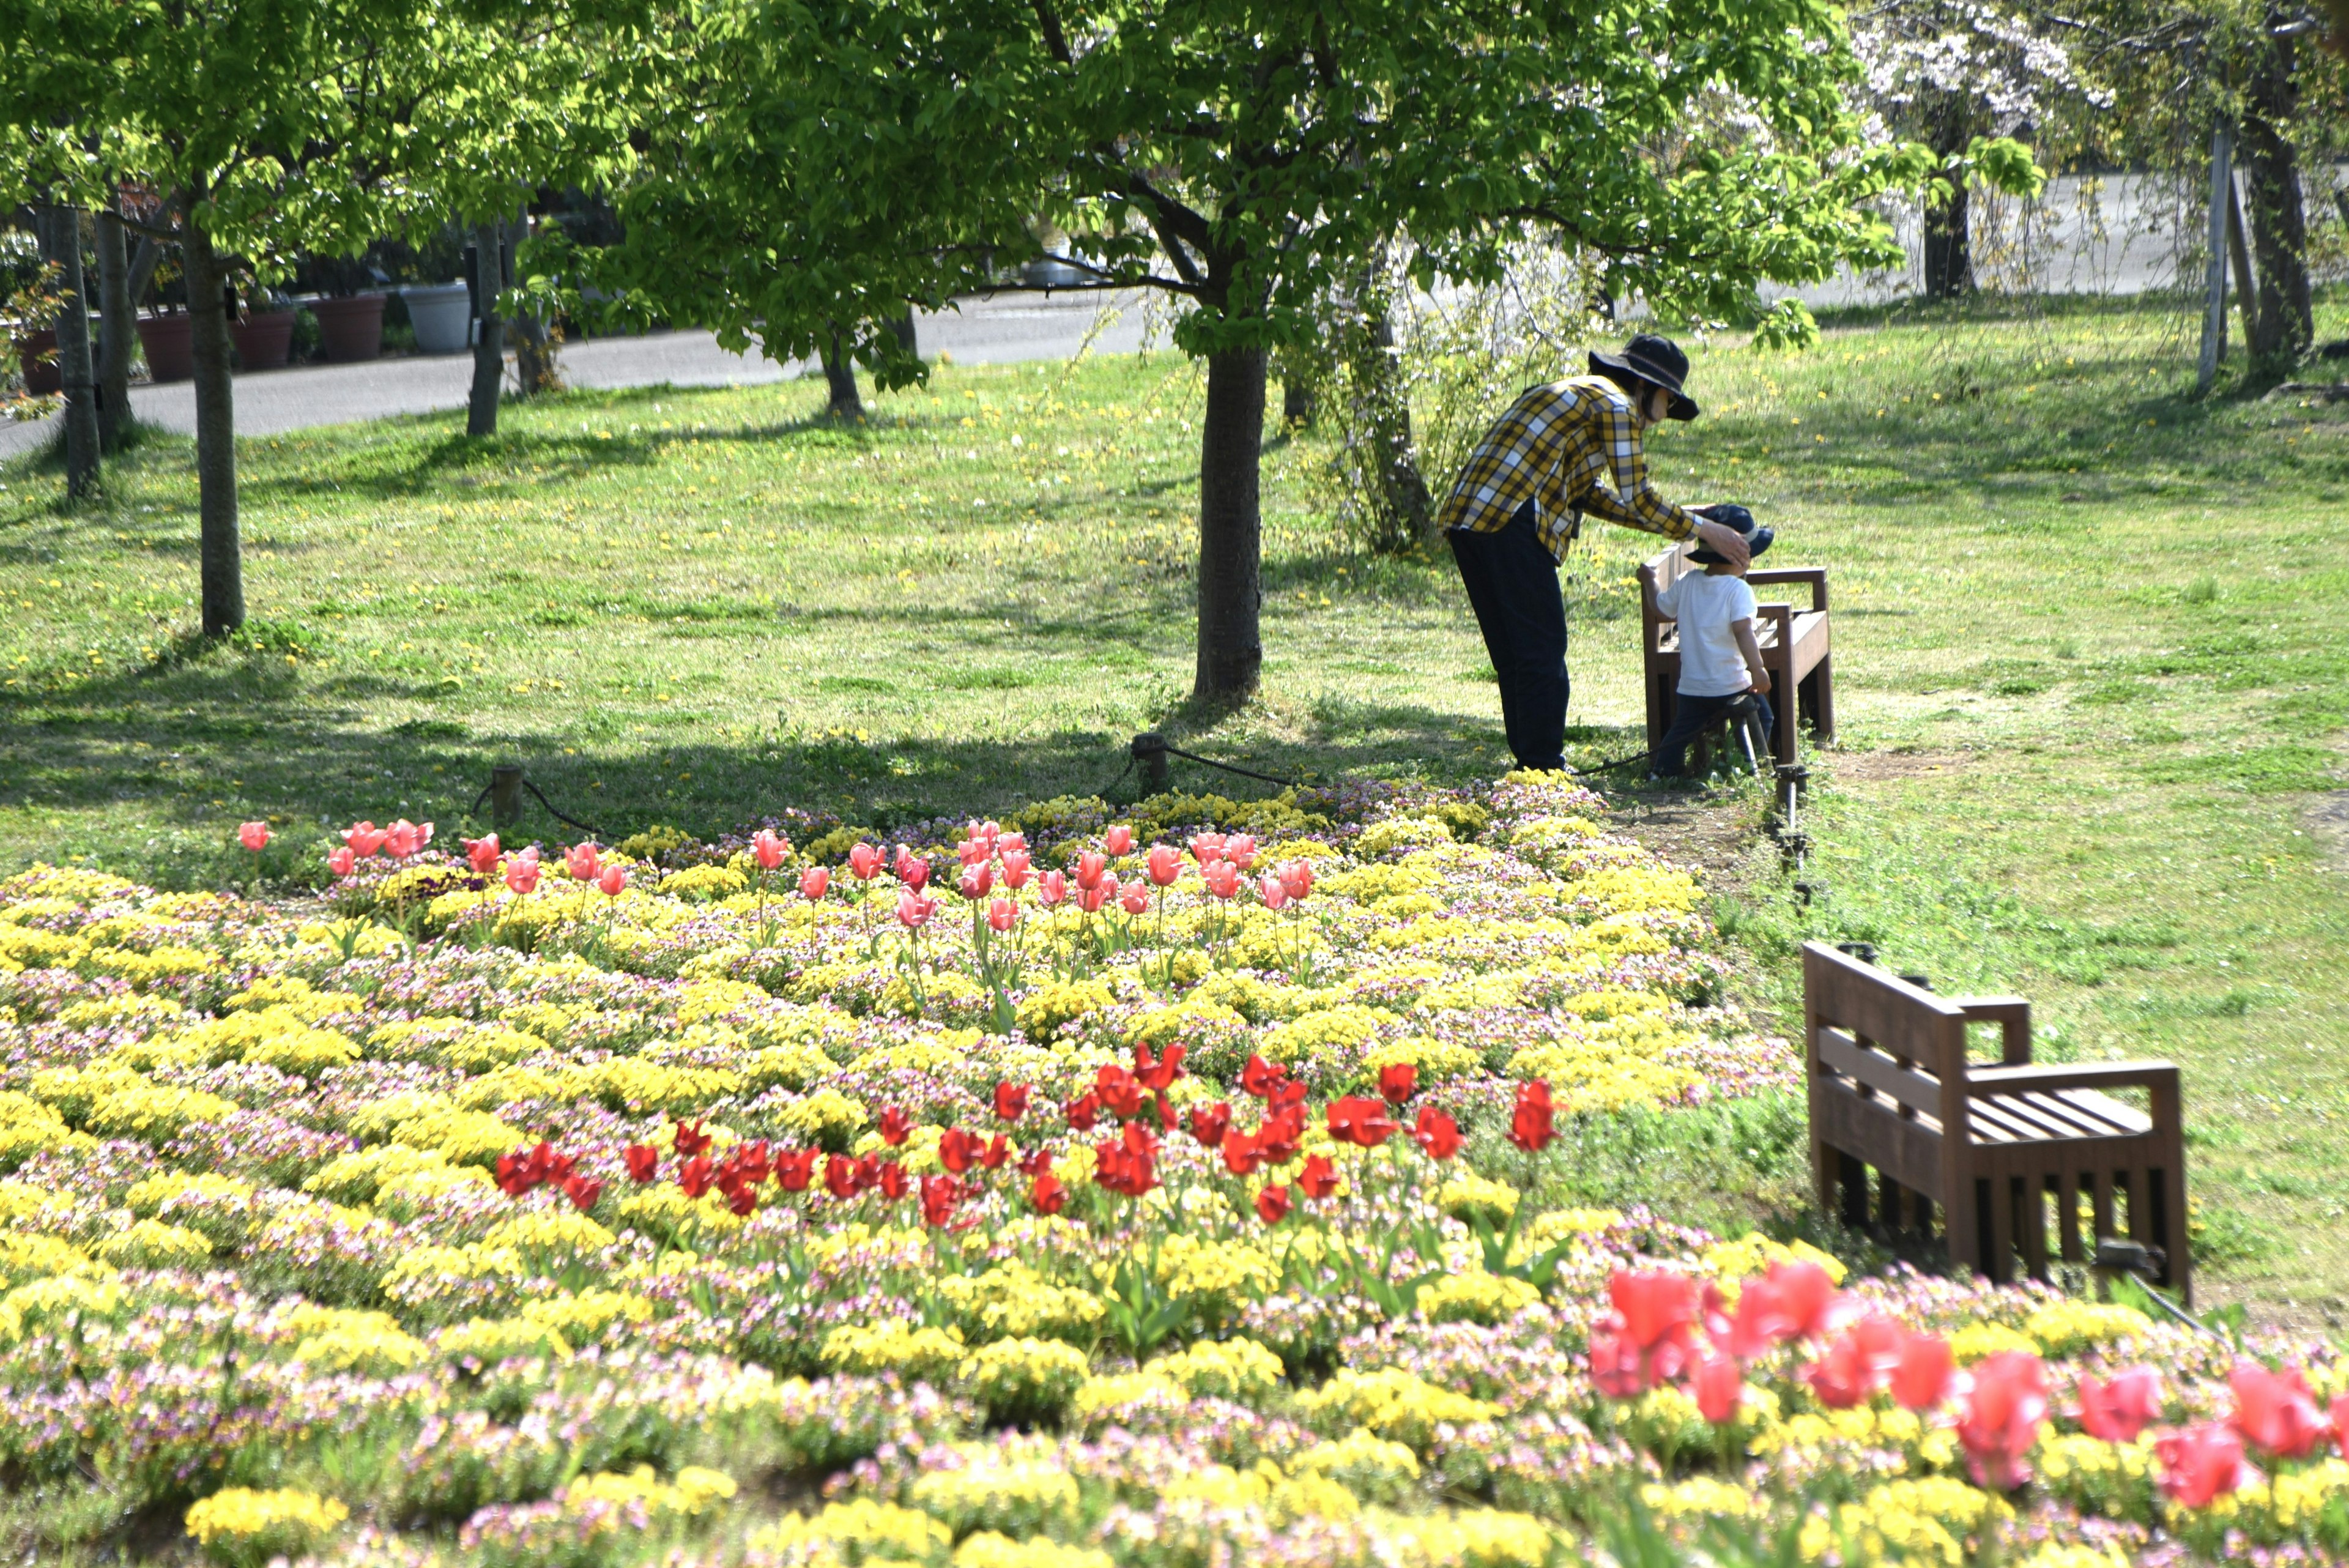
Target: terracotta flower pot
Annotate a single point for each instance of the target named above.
(37, 353)
(349, 329)
(170, 345)
(442, 314)
(262, 340)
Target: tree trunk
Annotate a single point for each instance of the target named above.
(2287, 326)
(222, 552)
(116, 330)
(1383, 412)
(535, 340)
(490, 349)
(1949, 240)
(1231, 648)
(61, 239)
(1299, 404)
(840, 380)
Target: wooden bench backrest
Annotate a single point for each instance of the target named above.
(1658, 573)
(1876, 1029)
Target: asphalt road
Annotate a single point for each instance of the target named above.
(986, 330)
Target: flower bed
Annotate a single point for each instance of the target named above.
(1103, 1199)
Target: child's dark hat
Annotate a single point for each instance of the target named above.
(1731, 516)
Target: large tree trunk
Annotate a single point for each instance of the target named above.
(115, 330)
(490, 349)
(536, 340)
(2286, 325)
(1231, 648)
(61, 240)
(840, 381)
(222, 551)
(1949, 240)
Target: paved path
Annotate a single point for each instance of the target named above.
(989, 331)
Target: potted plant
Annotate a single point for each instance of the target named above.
(350, 326)
(35, 309)
(265, 336)
(442, 315)
(168, 342)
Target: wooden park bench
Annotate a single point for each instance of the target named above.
(1794, 645)
(1892, 1090)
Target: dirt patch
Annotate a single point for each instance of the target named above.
(2328, 824)
(1886, 767)
(1710, 835)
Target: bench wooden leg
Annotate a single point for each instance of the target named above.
(2067, 1216)
(1819, 694)
(2000, 1265)
(1962, 1222)
(2032, 1193)
(2100, 1201)
(2179, 1272)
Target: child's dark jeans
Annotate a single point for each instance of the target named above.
(1694, 715)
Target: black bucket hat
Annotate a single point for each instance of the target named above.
(1652, 359)
(1737, 520)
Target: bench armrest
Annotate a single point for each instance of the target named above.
(2156, 1075)
(2012, 1016)
(1816, 577)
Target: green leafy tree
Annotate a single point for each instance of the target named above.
(820, 165)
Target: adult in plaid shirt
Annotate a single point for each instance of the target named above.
(1562, 449)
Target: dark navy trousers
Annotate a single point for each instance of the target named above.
(1512, 582)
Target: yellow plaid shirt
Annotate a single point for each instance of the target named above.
(1574, 447)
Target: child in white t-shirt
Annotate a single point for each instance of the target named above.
(1720, 660)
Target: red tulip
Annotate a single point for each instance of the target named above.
(1274, 895)
(343, 862)
(2202, 1464)
(1259, 1077)
(976, 881)
(1297, 877)
(868, 1172)
(1119, 839)
(864, 861)
(997, 1154)
(911, 870)
(514, 1175)
(1091, 869)
(2338, 1411)
(840, 1177)
(1118, 1090)
(1240, 850)
(940, 1196)
(1207, 847)
(691, 1140)
(1278, 1137)
(1134, 900)
(1921, 1378)
(1653, 1306)
(1051, 888)
(1529, 1124)
(743, 1201)
(958, 1150)
(614, 881)
(815, 882)
(1048, 1193)
(1319, 1179)
(583, 1191)
(2275, 1412)
(1856, 1364)
(695, 1176)
(583, 862)
(1272, 1205)
(1241, 1155)
(1160, 1073)
(914, 910)
(1718, 1385)
(1016, 866)
(895, 1182)
(2119, 1410)
(1002, 913)
(1437, 1134)
(1011, 1100)
(1210, 1123)
(521, 871)
(793, 1169)
(896, 1126)
(1221, 878)
(1398, 1081)
(1362, 1122)
(1164, 865)
(2001, 1417)
(642, 1161)
(482, 854)
(254, 836)
(769, 848)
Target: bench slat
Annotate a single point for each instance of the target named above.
(1916, 1090)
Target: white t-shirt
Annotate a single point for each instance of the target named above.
(1706, 607)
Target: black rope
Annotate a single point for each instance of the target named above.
(1104, 792)
(1610, 767)
(1231, 768)
(595, 833)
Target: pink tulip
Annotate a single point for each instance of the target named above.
(974, 851)
(914, 910)
(2203, 1464)
(612, 881)
(1274, 895)
(1119, 839)
(814, 881)
(975, 880)
(254, 836)
(404, 838)
(769, 848)
(1002, 913)
(2118, 1410)
(364, 838)
(1718, 1385)
(482, 854)
(2001, 1417)
(1091, 899)
(1921, 1378)
(1240, 850)
(863, 862)
(521, 871)
(1296, 877)
(1222, 877)
(1091, 868)
(1165, 865)
(1207, 847)
(583, 862)
(1134, 900)
(343, 861)
(911, 870)
(1051, 889)
(2275, 1411)
(1016, 867)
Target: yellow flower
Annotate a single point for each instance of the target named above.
(243, 1526)
(1392, 1402)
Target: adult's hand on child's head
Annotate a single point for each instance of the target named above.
(1725, 542)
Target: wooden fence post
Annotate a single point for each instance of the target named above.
(2214, 319)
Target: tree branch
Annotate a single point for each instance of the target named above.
(1055, 41)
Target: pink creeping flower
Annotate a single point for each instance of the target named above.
(1002, 913)
(2275, 1412)
(914, 910)
(2117, 1411)
(1164, 864)
(2202, 1464)
(863, 862)
(1119, 839)
(254, 836)
(482, 854)
(814, 881)
(1051, 888)
(1718, 1385)
(583, 862)
(614, 879)
(343, 862)
(769, 848)
(2001, 1418)
(521, 871)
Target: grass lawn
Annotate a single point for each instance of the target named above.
(2089, 648)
